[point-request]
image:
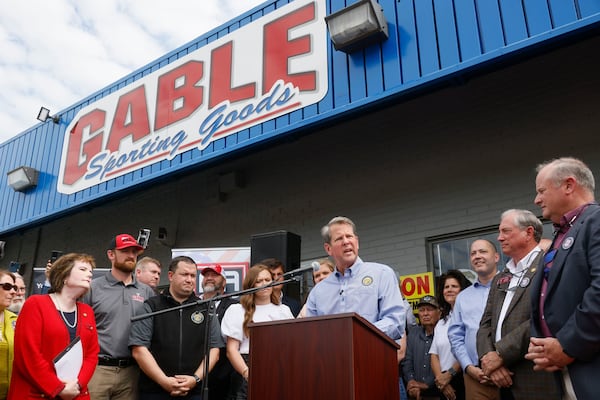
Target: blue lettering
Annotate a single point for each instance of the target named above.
(95, 165)
(279, 95)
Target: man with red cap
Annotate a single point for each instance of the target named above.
(214, 283)
(116, 297)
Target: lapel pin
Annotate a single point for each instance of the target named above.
(567, 243)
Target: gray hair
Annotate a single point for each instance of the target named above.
(326, 230)
(141, 264)
(524, 219)
(564, 167)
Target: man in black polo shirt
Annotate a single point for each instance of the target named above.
(170, 347)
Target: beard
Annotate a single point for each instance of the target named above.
(125, 266)
(212, 288)
(16, 307)
(209, 288)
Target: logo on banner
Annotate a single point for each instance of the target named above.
(263, 70)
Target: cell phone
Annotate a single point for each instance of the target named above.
(143, 237)
(55, 255)
(14, 267)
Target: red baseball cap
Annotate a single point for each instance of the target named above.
(124, 241)
(217, 268)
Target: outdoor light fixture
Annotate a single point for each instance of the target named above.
(44, 115)
(22, 178)
(357, 26)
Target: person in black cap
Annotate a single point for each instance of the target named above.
(115, 298)
(416, 366)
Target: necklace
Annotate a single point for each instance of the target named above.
(62, 314)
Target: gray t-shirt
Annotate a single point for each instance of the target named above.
(114, 303)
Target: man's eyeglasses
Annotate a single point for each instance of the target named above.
(548, 258)
(7, 286)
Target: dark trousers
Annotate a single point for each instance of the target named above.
(239, 386)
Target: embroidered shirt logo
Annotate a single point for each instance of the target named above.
(137, 297)
(197, 317)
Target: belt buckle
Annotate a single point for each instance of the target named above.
(122, 363)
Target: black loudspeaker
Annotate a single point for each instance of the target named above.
(282, 245)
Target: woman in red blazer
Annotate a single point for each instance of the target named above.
(45, 327)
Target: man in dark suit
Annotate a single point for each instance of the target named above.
(504, 330)
(565, 298)
(214, 283)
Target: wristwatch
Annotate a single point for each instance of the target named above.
(197, 378)
(452, 371)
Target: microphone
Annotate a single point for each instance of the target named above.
(314, 267)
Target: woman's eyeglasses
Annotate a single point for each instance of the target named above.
(7, 286)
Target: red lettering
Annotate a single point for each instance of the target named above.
(131, 118)
(423, 285)
(278, 50)
(408, 287)
(78, 149)
(178, 96)
(221, 70)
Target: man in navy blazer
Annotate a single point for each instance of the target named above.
(565, 298)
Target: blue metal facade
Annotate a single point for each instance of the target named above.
(430, 41)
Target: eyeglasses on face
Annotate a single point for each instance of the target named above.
(7, 286)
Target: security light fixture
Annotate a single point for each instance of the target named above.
(44, 115)
(357, 26)
(23, 178)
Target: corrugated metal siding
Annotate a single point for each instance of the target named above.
(429, 40)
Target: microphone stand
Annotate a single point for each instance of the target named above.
(210, 302)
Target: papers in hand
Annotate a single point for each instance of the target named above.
(68, 363)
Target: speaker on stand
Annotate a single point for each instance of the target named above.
(284, 246)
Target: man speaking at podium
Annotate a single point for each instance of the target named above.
(369, 289)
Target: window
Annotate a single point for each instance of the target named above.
(452, 251)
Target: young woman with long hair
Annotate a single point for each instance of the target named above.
(260, 306)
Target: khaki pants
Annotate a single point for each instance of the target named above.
(114, 383)
(477, 391)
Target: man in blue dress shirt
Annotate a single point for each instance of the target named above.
(464, 324)
(368, 289)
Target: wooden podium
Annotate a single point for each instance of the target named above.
(340, 356)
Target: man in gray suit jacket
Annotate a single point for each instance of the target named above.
(565, 298)
(504, 330)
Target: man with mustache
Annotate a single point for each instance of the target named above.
(214, 283)
(20, 297)
(116, 297)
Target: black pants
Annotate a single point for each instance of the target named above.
(239, 386)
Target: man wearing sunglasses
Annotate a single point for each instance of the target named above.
(504, 330)
(565, 299)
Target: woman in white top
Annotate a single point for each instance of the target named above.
(445, 368)
(260, 306)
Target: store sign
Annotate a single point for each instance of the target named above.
(268, 68)
(415, 286)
